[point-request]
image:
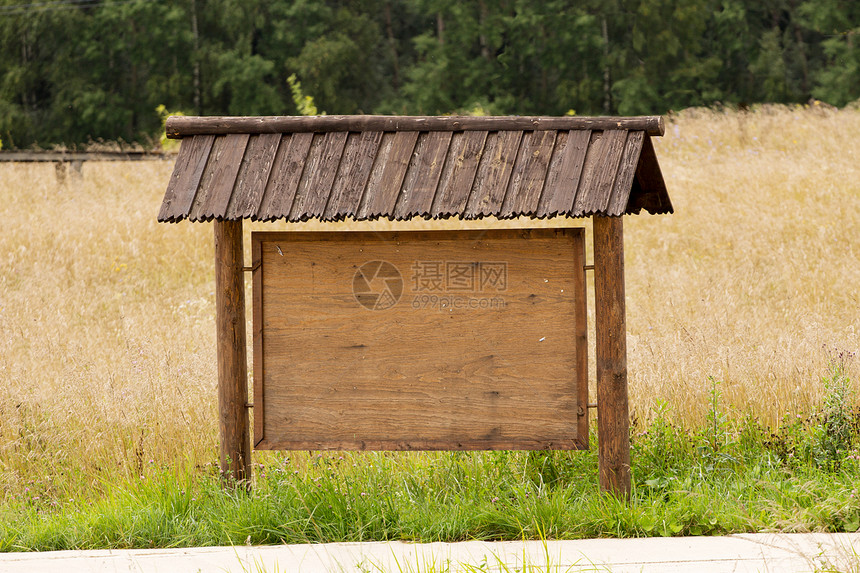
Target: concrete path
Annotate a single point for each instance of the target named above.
(741, 553)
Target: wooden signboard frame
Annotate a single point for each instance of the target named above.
(420, 340)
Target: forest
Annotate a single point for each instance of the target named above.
(73, 72)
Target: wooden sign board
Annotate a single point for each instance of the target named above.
(420, 340)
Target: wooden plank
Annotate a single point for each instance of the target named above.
(253, 175)
(419, 187)
(287, 171)
(314, 191)
(178, 127)
(613, 424)
(494, 172)
(204, 189)
(529, 174)
(387, 175)
(232, 365)
(455, 185)
(259, 365)
(489, 363)
(564, 173)
(599, 172)
(581, 346)
(312, 161)
(626, 173)
(224, 175)
(182, 187)
(649, 189)
(349, 186)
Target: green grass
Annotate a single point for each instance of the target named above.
(724, 478)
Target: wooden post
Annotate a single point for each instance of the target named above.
(613, 425)
(232, 361)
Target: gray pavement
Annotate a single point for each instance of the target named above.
(741, 553)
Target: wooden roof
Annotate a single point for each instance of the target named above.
(367, 167)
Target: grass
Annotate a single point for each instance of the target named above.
(739, 306)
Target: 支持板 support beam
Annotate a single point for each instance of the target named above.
(613, 425)
(232, 361)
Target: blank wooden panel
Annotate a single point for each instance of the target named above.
(485, 347)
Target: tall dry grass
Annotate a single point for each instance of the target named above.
(107, 360)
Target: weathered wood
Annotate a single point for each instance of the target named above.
(613, 430)
(253, 175)
(563, 177)
(224, 173)
(178, 127)
(649, 189)
(620, 195)
(388, 172)
(354, 172)
(599, 172)
(494, 173)
(529, 174)
(214, 167)
(187, 172)
(464, 154)
(506, 373)
(286, 174)
(315, 196)
(257, 311)
(232, 363)
(419, 187)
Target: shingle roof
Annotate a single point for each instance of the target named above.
(367, 167)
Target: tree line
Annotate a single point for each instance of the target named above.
(73, 71)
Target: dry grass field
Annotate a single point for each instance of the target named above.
(107, 340)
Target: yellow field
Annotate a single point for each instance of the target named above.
(107, 317)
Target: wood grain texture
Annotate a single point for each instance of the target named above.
(257, 318)
(419, 186)
(620, 194)
(461, 166)
(599, 172)
(564, 172)
(178, 127)
(230, 341)
(253, 175)
(319, 171)
(494, 173)
(187, 172)
(387, 175)
(421, 375)
(527, 179)
(197, 212)
(287, 171)
(613, 424)
(354, 172)
(224, 172)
